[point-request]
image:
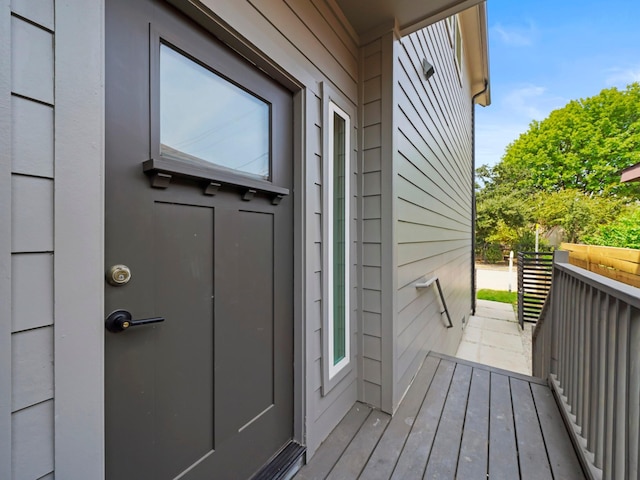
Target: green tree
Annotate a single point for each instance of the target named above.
(581, 146)
(500, 216)
(564, 171)
(623, 232)
(577, 213)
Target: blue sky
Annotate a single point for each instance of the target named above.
(544, 53)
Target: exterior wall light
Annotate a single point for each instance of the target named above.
(427, 69)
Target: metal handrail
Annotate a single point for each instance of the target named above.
(427, 284)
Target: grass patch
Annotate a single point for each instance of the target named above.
(498, 296)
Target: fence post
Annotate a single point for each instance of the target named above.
(560, 256)
(520, 289)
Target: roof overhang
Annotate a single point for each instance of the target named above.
(410, 15)
(631, 174)
(473, 23)
(366, 16)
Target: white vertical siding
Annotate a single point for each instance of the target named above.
(433, 191)
(30, 292)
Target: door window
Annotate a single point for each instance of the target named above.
(206, 119)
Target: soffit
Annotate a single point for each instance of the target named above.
(410, 15)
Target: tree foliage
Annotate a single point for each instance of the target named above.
(582, 146)
(623, 232)
(564, 171)
(577, 213)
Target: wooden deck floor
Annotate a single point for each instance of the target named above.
(458, 420)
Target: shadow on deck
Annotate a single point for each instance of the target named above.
(459, 420)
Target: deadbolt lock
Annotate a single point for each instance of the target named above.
(118, 275)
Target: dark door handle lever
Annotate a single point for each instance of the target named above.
(120, 320)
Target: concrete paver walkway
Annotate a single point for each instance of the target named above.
(493, 337)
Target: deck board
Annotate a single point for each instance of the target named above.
(534, 462)
(474, 449)
(443, 460)
(503, 456)
(563, 463)
(385, 456)
(336, 443)
(355, 457)
(459, 419)
(414, 456)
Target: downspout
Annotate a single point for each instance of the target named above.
(473, 196)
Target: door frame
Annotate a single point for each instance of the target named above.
(79, 235)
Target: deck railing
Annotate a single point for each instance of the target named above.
(587, 343)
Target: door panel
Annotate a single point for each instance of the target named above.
(184, 407)
(208, 393)
(245, 280)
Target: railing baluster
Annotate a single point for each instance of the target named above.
(620, 412)
(590, 370)
(586, 358)
(569, 354)
(612, 315)
(578, 352)
(571, 337)
(633, 376)
(563, 345)
(602, 379)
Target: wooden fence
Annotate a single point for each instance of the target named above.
(621, 264)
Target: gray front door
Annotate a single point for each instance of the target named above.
(199, 209)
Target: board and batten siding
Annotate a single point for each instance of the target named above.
(27, 239)
(433, 187)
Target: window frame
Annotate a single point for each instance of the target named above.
(450, 25)
(217, 58)
(335, 104)
(182, 156)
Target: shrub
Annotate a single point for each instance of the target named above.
(623, 232)
(527, 243)
(493, 253)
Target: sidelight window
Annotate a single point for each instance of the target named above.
(337, 241)
(340, 234)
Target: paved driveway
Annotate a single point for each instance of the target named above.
(496, 278)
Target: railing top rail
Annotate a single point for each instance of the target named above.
(624, 292)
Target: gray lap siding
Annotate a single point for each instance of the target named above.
(433, 198)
